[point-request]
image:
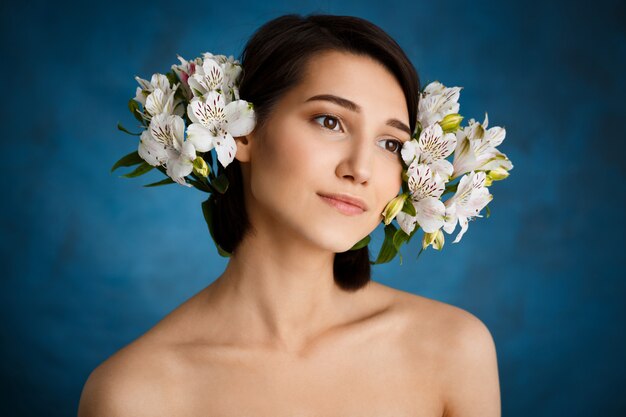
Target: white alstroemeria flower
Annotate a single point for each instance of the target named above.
(470, 198)
(163, 144)
(208, 77)
(225, 78)
(183, 71)
(431, 148)
(425, 188)
(476, 149)
(160, 102)
(215, 124)
(158, 81)
(436, 102)
(217, 73)
(157, 97)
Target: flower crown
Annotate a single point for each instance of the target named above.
(196, 108)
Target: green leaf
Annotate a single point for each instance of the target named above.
(220, 183)
(123, 129)
(451, 188)
(133, 106)
(387, 250)
(198, 184)
(207, 211)
(165, 181)
(488, 212)
(361, 243)
(172, 77)
(399, 237)
(140, 170)
(129, 160)
(408, 207)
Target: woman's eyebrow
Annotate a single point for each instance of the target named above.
(343, 102)
(352, 106)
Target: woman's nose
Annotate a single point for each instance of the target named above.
(356, 162)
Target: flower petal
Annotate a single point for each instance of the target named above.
(196, 88)
(430, 214)
(179, 167)
(406, 221)
(463, 221)
(201, 137)
(450, 217)
(210, 75)
(178, 130)
(160, 81)
(145, 84)
(434, 145)
(150, 150)
(443, 167)
(155, 102)
(495, 135)
(240, 118)
(423, 183)
(226, 148)
(409, 151)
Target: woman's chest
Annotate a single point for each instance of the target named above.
(371, 383)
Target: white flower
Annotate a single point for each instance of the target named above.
(476, 149)
(158, 81)
(470, 198)
(426, 187)
(217, 73)
(215, 124)
(436, 102)
(231, 69)
(431, 148)
(184, 70)
(160, 102)
(163, 144)
(157, 96)
(208, 77)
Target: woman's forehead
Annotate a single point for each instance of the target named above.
(356, 82)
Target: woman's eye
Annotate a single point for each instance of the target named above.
(391, 148)
(329, 125)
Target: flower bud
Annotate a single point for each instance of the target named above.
(394, 207)
(200, 167)
(498, 174)
(435, 239)
(451, 122)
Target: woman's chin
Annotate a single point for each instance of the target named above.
(338, 243)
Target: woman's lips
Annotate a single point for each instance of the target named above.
(342, 206)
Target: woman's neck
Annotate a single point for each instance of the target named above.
(282, 295)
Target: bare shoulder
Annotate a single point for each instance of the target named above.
(422, 310)
(465, 350)
(453, 324)
(136, 380)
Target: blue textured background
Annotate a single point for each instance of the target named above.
(90, 261)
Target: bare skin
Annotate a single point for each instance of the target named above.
(273, 335)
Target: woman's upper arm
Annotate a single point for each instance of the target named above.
(120, 387)
(471, 383)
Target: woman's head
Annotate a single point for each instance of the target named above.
(294, 68)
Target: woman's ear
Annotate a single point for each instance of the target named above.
(243, 147)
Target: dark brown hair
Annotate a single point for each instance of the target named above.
(273, 62)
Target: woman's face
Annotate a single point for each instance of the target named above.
(312, 146)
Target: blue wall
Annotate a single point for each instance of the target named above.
(90, 261)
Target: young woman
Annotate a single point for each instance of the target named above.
(294, 326)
